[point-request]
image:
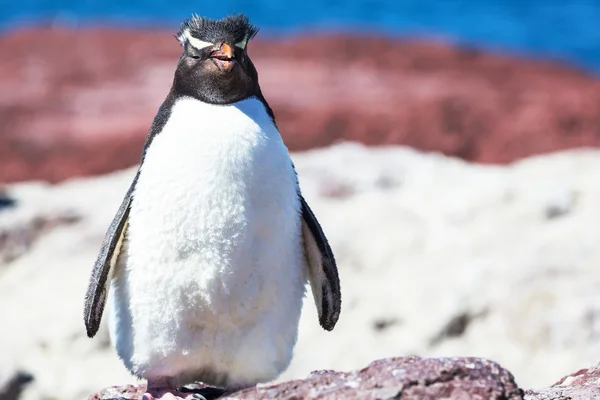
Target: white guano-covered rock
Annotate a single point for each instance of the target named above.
(437, 257)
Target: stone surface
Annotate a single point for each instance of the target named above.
(13, 383)
(81, 102)
(437, 257)
(581, 385)
(19, 230)
(410, 378)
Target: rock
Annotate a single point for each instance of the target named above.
(22, 229)
(41, 288)
(125, 392)
(25, 221)
(582, 385)
(5, 201)
(438, 258)
(12, 386)
(68, 108)
(410, 378)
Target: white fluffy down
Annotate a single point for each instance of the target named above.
(213, 277)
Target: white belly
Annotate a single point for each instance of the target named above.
(213, 283)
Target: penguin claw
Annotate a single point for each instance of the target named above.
(195, 396)
(158, 391)
(205, 393)
(172, 395)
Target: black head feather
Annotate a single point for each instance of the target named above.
(232, 29)
(199, 72)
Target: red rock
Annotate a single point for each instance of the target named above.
(581, 385)
(78, 103)
(407, 378)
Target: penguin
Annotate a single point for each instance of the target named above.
(205, 265)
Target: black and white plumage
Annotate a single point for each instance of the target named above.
(207, 259)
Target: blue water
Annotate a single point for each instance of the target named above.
(560, 29)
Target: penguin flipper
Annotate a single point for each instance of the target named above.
(322, 269)
(99, 284)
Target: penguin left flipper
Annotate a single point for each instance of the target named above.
(95, 298)
(322, 269)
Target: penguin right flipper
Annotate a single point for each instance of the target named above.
(95, 298)
(322, 269)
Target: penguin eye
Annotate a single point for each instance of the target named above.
(195, 57)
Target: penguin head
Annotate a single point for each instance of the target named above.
(215, 67)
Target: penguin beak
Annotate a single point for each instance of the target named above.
(223, 58)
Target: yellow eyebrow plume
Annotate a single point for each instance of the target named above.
(243, 43)
(194, 42)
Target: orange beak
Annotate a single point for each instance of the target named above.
(227, 50)
(223, 58)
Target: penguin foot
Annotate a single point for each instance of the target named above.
(207, 392)
(167, 393)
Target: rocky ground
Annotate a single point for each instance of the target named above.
(80, 102)
(438, 258)
(403, 378)
(408, 378)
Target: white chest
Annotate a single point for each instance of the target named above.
(213, 173)
(216, 192)
(215, 266)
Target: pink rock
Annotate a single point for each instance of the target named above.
(407, 378)
(581, 385)
(76, 103)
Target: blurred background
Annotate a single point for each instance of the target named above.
(449, 149)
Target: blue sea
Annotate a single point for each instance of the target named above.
(567, 30)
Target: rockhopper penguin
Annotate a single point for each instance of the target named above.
(206, 261)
